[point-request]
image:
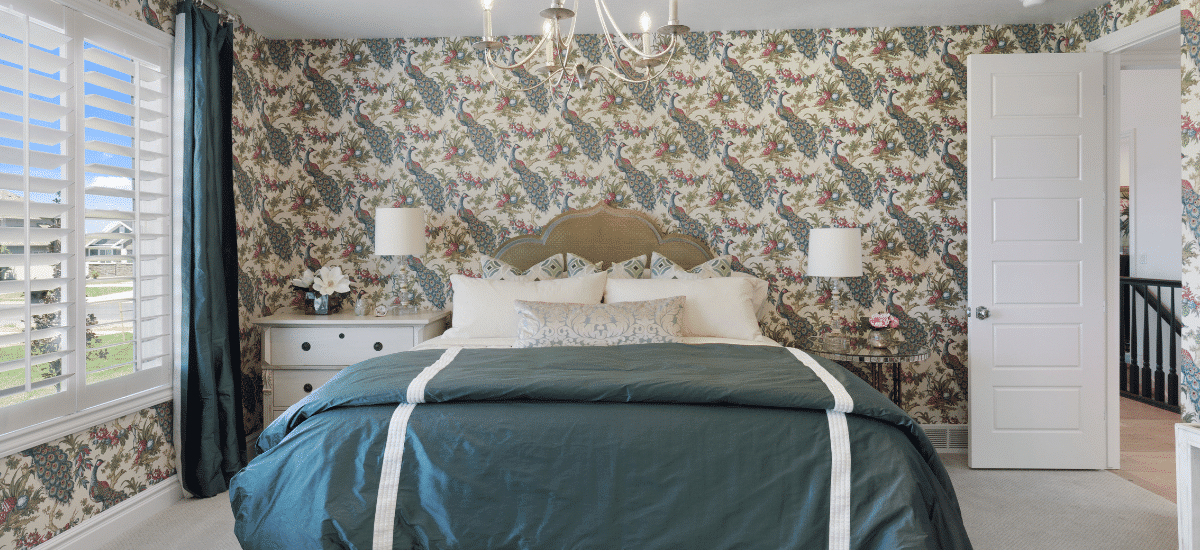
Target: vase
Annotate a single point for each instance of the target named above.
(360, 307)
(320, 303)
(879, 338)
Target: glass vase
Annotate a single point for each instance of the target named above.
(879, 338)
(320, 303)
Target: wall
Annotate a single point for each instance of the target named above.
(747, 152)
(1190, 93)
(1150, 108)
(52, 487)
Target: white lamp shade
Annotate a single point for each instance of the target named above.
(399, 232)
(835, 252)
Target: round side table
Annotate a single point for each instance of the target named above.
(857, 351)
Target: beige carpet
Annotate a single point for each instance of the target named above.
(1060, 510)
(1002, 509)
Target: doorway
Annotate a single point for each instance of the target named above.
(1144, 84)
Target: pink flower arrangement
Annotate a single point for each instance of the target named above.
(884, 320)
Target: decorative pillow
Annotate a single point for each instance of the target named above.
(547, 269)
(628, 269)
(483, 308)
(663, 268)
(721, 307)
(543, 325)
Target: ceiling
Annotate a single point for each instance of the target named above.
(407, 19)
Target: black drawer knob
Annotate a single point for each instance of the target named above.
(306, 346)
(378, 346)
(341, 335)
(308, 388)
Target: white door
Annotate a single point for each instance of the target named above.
(1035, 261)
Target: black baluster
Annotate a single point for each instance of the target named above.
(1133, 359)
(1159, 375)
(1147, 389)
(1172, 375)
(1124, 331)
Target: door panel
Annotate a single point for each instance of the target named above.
(1036, 254)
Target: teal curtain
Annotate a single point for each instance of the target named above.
(213, 442)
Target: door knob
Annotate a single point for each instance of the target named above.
(982, 313)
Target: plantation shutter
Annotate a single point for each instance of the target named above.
(85, 279)
(126, 201)
(36, 203)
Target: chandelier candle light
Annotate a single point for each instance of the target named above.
(400, 232)
(558, 52)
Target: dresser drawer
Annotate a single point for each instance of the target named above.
(290, 384)
(335, 345)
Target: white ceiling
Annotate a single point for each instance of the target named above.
(406, 18)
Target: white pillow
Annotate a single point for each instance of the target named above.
(722, 307)
(762, 307)
(483, 308)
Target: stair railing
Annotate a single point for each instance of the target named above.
(1143, 376)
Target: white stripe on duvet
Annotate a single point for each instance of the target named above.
(416, 388)
(839, 443)
(393, 453)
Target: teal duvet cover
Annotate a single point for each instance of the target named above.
(655, 446)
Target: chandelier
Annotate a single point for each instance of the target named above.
(553, 56)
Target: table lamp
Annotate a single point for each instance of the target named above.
(835, 252)
(400, 232)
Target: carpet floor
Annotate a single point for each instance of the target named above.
(1002, 509)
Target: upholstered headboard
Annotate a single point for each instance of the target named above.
(603, 233)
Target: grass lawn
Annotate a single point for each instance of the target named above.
(115, 356)
(94, 291)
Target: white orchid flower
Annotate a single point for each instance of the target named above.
(330, 280)
(305, 280)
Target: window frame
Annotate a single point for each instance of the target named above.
(79, 406)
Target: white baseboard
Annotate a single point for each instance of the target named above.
(947, 438)
(102, 529)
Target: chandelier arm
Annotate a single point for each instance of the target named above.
(628, 44)
(639, 80)
(532, 52)
(612, 48)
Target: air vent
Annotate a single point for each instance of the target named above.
(947, 438)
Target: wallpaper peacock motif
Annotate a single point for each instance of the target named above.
(752, 139)
(1189, 380)
(50, 488)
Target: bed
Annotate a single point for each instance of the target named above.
(696, 435)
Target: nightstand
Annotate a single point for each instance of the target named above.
(858, 351)
(302, 352)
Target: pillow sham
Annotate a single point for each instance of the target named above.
(547, 269)
(542, 324)
(483, 308)
(662, 267)
(721, 307)
(628, 269)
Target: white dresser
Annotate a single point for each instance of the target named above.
(301, 352)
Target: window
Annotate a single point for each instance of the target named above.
(85, 264)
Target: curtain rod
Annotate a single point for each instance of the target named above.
(222, 11)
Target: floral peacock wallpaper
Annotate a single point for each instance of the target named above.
(1189, 398)
(752, 139)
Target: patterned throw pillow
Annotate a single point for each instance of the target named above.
(545, 270)
(544, 324)
(663, 268)
(628, 269)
